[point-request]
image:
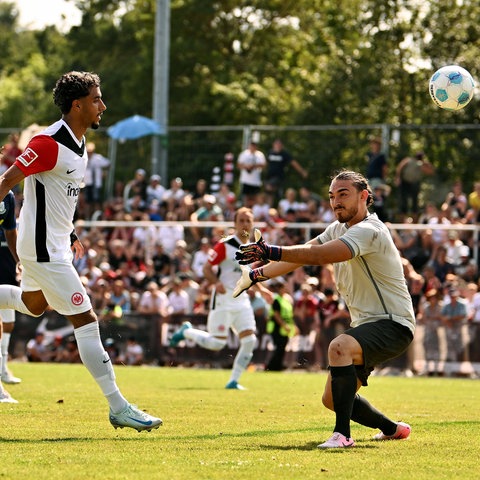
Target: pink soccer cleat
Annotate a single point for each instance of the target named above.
(337, 440)
(403, 431)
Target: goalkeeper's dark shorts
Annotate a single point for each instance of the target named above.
(380, 341)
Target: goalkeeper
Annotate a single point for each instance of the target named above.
(369, 276)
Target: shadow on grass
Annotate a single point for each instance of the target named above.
(71, 439)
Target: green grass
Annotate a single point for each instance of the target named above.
(60, 428)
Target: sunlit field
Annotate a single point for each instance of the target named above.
(60, 428)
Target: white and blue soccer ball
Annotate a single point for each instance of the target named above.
(451, 87)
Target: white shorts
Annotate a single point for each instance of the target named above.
(60, 284)
(7, 316)
(239, 319)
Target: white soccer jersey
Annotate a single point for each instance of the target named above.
(372, 283)
(223, 255)
(54, 164)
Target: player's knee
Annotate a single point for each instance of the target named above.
(217, 343)
(338, 349)
(248, 342)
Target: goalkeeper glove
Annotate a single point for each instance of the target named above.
(248, 278)
(257, 251)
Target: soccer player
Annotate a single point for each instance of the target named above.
(53, 166)
(369, 276)
(8, 275)
(226, 312)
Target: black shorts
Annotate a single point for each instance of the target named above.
(380, 341)
(250, 189)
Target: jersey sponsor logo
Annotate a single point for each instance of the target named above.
(72, 190)
(70, 171)
(28, 157)
(2, 208)
(77, 298)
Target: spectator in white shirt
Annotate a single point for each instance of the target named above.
(178, 298)
(154, 301)
(200, 258)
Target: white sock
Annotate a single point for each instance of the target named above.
(11, 298)
(243, 357)
(98, 363)
(204, 339)
(4, 343)
(1, 386)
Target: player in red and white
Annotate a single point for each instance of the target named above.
(53, 166)
(223, 271)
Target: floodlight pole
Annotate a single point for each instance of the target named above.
(160, 87)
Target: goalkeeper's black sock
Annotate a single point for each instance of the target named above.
(366, 414)
(344, 387)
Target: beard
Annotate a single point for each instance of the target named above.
(94, 125)
(345, 215)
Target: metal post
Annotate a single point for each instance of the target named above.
(161, 87)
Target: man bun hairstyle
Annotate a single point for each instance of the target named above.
(72, 86)
(358, 181)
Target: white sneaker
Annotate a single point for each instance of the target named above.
(132, 417)
(7, 377)
(5, 397)
(337, 440)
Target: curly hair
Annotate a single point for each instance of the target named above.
(72, 86)
(358, 181)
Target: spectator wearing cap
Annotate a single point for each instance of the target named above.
(174, 196)
(467, 268)
(430, 316)
(137, 186)
(209, 211)
(155, 190)
(251, 162)
(453, 246)
(454, 317)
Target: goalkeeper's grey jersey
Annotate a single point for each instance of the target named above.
(372, 283)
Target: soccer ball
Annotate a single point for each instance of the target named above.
(451, 87)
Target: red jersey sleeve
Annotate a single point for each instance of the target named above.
(217, 254)
(40, 155)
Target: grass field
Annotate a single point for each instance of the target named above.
(60, 428)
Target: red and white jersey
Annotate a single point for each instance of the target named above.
(223, 255)
(54, 164)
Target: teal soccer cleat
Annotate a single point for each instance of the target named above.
(178, 336)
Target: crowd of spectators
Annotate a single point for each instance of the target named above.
(158, 269)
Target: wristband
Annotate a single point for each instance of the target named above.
(73, 238)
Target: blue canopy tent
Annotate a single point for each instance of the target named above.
(129, 128)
